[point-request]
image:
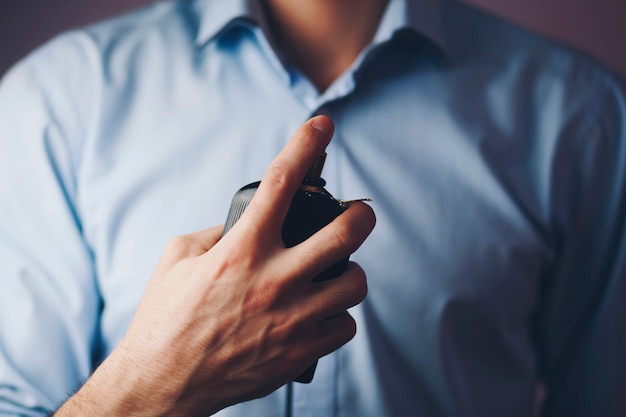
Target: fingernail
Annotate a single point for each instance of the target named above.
(322, 124)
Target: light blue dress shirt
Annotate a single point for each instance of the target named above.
(496, 161)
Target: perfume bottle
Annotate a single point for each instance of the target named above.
(311, 209)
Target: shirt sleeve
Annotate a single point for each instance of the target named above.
(581, 323)
(49, 303)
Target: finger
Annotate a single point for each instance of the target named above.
(334, 242)
(268, 208)
(207, 238)
(191, 245)
(332, 333)
(331, 297)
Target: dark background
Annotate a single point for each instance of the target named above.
(595, 26)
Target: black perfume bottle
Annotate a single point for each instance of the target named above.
(311, 209)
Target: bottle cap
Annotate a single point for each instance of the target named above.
(315, 171)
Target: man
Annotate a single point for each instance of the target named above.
(496, 162)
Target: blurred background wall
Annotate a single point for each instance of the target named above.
(597, 27)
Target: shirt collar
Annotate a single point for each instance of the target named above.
(215, 15)
(422, 16)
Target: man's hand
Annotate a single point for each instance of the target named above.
(232, 319)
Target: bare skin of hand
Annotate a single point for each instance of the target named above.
(227, 320)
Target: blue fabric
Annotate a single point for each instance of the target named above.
(496, 161)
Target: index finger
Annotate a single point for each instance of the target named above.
(267, 210)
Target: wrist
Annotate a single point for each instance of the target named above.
(119, 387)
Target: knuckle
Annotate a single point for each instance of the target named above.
(298, 358)
(350, 327)
(178, 246)
(287, 329)
(360, 288)
(345, 328)
(362, 217)
(261, 297)
(344, 237)
(370, 217)
(277, 177)
(353, 288)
